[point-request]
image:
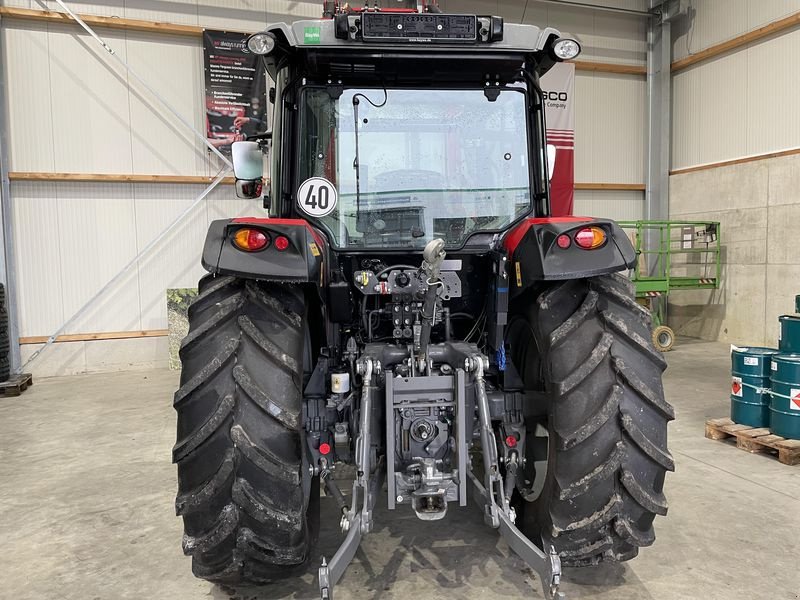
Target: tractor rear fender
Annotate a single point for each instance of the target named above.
(535, 254)
(299, 261)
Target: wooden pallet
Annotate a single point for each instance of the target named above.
(16, 385)
(755, 439)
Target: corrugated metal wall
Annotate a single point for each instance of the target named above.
(741, 103)
(73, 109)
(716, 21)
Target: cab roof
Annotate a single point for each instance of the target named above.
(365, 45)
(321, 33)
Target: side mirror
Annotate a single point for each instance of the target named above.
(551, 161)
(248, 169)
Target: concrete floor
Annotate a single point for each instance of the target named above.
(87, 489)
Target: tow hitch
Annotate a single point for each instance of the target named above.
(357, 519)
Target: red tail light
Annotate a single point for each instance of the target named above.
(281, 243)
(590, 238)
(250, 240)
(563, 241)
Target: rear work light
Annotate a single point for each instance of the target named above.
(250, 240)
(590, 238)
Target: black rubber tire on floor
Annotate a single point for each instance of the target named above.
(244, 502)
(606, 419)
(5, 346)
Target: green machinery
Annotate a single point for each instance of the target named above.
(673, 255)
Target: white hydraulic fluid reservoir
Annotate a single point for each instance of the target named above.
(340, 383)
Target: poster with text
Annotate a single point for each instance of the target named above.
(235, 89)
(558, 86)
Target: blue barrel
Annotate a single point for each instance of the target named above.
(789, 342)
(785, 405)
(750, 381)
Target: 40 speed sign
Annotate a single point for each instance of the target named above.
(317, 197)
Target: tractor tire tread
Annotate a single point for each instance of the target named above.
(608, 421)
(240, 489)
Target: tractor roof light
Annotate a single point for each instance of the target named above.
(261, 43)
(565, 49)
(590, 238)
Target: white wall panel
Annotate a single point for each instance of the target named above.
(771, 116)
(106, 8)
(610, 204)
(586, 112)
(18, 3)
(183, 12)
(27, 65)
(98, 237)
(91, 110)
(233, 15)
(686, 118)
(175, 261)
(610, 128)
(619, 38)
(223, 204)
(764, 11)
(716, 21)
(288, 10)
(173, 65)
(37, 237)
(710, 104)
(723, 131)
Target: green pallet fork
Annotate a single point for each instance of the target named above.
(673, 255)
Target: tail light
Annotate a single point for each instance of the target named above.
(590, 238)
(250, 240)
(281, 243)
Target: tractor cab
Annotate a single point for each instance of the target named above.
(396, 126)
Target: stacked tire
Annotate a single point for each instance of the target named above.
(5, 345)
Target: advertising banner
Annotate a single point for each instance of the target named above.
(235, 89)
(558, 86)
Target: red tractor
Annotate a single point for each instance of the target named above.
(409, 306)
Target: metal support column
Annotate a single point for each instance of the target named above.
(7, 257)
(659, 58)
(659, 120)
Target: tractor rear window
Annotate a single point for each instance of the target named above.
(411, 165)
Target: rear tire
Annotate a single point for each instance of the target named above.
(241, 491)
(587, 344)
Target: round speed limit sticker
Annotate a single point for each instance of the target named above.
(317, 197)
